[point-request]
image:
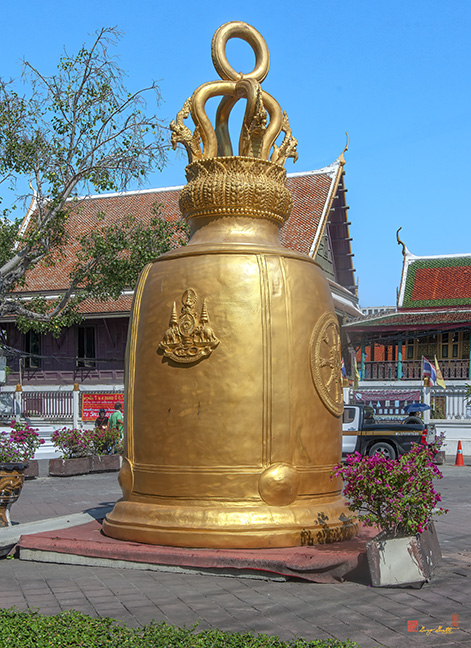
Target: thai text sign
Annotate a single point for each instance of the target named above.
(92, 403)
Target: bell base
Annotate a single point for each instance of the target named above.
(244, 526)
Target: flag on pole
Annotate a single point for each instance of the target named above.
(429, 372)
(356, 379)
(440, 380)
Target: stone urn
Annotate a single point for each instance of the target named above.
(11, 482)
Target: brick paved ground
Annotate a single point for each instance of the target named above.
(372, 617)
(49, 497)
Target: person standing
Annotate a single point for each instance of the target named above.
(116, 421)
(102, 421)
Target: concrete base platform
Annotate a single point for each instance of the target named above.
(87, 545)
(10, 536)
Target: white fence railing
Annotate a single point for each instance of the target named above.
(448, 404)
(63, 404)
(47, 405)
(52, 404)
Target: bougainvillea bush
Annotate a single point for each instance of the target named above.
(9, 451)
(72, 442)
(104, 442)
(26, 439)
(396, 496)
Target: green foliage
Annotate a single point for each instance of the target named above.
(112, 258)
(109, 259)
(72, 629)
(40, 305)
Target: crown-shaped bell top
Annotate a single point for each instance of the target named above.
(263, 119)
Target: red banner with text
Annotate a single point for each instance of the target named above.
(92, 403)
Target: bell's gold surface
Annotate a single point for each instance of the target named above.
(233, 385)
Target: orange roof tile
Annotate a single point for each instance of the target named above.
(310, 194)
(121, 305)
(442, 283)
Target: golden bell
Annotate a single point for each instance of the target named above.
(233, 384)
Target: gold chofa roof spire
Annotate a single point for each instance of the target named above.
(263, 120)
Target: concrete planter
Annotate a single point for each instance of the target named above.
(105, 463)
(403, 561)
(32, 469)
(84, 465)
(439, 458)
(69, 467)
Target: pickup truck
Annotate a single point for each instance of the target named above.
(361, 434)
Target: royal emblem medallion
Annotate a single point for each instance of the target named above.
(189, 337)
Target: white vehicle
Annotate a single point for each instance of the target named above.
(361, 434)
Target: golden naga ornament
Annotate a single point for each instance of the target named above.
(232, 425)
(257, 137)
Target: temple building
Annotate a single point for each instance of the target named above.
(432, 321)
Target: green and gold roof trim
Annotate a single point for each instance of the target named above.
(437, 282)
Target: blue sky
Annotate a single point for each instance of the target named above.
(395, 75)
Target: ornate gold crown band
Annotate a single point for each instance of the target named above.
(252, 183)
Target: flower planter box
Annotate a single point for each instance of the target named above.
(403, 561)
(32, 471)
(69, 467)
(84, 465)
(105, 463)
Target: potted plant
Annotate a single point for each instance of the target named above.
(74, 446)
(28, 441)
(106, 447)
(12, 466)
(397, 497)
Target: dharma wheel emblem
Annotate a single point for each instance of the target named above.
(189, 337)
(326, 364)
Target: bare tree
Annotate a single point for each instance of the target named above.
(76, 131)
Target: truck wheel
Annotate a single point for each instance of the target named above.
(382, 448)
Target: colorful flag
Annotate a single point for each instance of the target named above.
(440, 380)
(356, 380)
(429, 372)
